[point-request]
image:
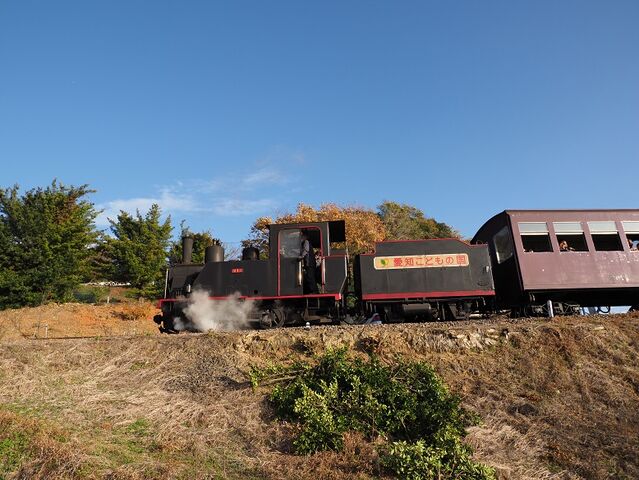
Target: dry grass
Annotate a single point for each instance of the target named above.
(559, 400)
(134, 311)
(35, 450)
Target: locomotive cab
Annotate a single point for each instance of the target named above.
(285, 242)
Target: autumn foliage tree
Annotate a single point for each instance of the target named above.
(364, 226)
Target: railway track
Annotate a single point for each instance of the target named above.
(444, 325)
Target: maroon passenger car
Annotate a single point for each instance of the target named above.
(571, 257)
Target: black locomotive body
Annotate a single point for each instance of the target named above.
(273, 285)
(422, 280)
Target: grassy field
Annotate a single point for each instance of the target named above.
(558, 399)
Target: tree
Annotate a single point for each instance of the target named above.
(258, 236)
(102, 263)
(46, 236)
(139, 248)
(404, 222)
(363, 226)
(201, 240)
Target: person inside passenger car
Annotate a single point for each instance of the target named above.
(634, 246)
(563, 247)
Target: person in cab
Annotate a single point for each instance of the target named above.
(307, 257)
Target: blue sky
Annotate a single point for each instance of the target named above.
(225, 111)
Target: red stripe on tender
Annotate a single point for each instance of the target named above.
(462, 293)
(336, 296)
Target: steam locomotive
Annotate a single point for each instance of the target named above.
(514, 262)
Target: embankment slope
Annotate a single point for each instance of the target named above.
(558, 399)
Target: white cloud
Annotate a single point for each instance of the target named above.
(241, 181)
(252, 191)
(264, 176)
(231, 207)
(172, 202)
(169, 201)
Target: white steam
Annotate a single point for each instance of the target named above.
(203, 314)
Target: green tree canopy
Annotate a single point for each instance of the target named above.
(139, 248)
(404, 222)
(102, 262)
(201, 240)
(46, 236)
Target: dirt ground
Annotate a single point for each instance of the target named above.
(78, 320)
(559, 399)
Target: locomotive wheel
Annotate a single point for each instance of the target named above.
(166, 324)
(273, 319)
(356, 319)
(454, 311)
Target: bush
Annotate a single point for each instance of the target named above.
(449, 459)
(405, 405)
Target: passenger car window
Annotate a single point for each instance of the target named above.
(290, 243)
(632, 235)
(535, 236)
(503, 243)
(605, 236)
(573, 234)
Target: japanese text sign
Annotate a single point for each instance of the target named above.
(421, 261)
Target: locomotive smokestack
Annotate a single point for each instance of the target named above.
(187, 249)
(214, 253)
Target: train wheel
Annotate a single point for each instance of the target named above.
(356, 319)
(165, 323)
(455, 311)
(572, 309)
(273, 319)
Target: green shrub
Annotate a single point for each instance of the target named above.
(449, 459)
(404, 404)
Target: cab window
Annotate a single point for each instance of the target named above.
(535, 236)
(290, 243)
